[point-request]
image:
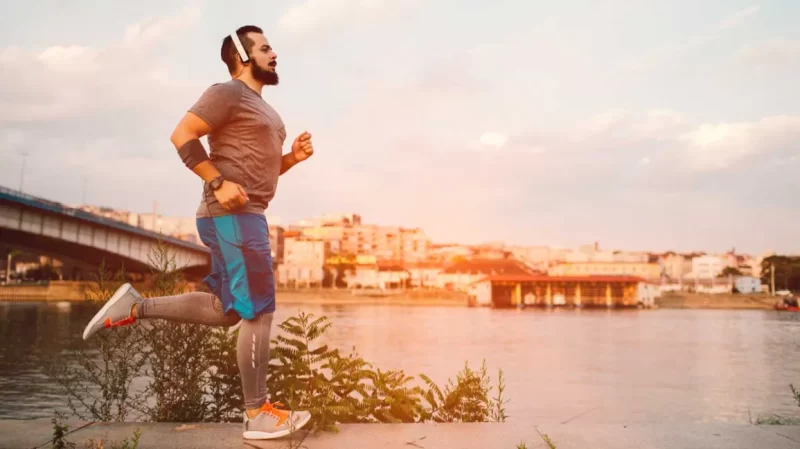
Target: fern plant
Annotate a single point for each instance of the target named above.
(465, 400)
(347, 389)
(192, 374)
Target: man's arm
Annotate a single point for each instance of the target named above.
(188, 133)
(302, 149)
(287, 161)
(192, 127)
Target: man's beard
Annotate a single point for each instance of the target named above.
(267, 77)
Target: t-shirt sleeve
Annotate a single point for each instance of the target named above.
(216, 105)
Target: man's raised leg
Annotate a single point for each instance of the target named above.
(127, 305)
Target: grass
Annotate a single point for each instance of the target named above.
(779, 420)
(545, 438)
(61, 430)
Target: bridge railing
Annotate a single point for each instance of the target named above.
(54, 206)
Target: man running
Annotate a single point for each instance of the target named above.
(246, 137)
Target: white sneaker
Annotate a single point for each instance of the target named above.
(116, 312)
(274, 423)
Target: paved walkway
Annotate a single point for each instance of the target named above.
(37, 433)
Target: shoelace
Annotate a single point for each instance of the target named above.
(272, 408)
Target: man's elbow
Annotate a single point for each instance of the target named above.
(189, 128)
(179, 137)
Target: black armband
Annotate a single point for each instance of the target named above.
(193, 153)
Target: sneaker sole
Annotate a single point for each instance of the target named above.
(125, 288)
(258, 435)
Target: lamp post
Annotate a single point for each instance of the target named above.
(22, 171)
(11, 254)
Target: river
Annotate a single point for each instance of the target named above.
(591, 366)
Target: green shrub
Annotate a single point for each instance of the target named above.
(347, 389)
(190, 373)
(778, 420)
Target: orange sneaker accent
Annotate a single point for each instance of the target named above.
(107, 323)
(282, 415)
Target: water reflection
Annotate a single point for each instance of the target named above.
(593, 366)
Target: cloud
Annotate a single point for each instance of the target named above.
(725, 145)
(493, 139)
(66, 82)
(629, 127)
(426, 156)
(321, 16)
(82, 110)
(671, 51)
(656, 165)
(737, 18)
(774, 52)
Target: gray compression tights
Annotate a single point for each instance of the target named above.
(252, 347)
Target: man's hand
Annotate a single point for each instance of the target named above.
(302, 148)
(231, 195)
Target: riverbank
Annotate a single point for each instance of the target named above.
(346, 297)
(76, 291)
(38, 434)
(729, 301)
(58, 291)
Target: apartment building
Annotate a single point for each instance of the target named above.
(447, 252)
(593, 253)
(540, 257)
(348, 235)
(708, 266)
(424, 274)
(646, 270)
(303, 260)
(676, 266)
(276, 244)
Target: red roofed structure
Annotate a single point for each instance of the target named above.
(539, 290)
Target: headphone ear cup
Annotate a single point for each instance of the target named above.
(243, 56)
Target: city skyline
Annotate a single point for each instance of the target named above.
(672, 129)
(334, 219)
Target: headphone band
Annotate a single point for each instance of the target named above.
(239, 47)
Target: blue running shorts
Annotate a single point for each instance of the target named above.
(241, 262)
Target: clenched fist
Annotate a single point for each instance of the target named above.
(231, 195)
(302, 148)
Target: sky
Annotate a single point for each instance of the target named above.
(638, 124)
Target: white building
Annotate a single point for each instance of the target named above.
(424, 274)
(707, 267)
(461, 275)
(303, 260)
(676, 267)
(364, 275)
(748, 284)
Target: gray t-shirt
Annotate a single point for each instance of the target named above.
(246, 144)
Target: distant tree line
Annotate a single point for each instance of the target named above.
(787, 272)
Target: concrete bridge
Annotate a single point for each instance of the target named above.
(48, 227)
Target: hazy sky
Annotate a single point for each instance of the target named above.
(648, 125)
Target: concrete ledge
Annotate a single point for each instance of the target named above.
(38, 433)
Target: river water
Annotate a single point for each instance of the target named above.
(560, 366)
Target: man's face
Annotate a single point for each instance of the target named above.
(263, 60)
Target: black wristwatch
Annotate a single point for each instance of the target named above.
(216, 183)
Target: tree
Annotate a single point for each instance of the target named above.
(729, 271)
(341, 274)
(787, 272)
(327, 277)
(45, 272)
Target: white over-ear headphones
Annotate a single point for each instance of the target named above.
(239, 47)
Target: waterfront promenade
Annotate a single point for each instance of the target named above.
(38, 433)
(76, 291)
